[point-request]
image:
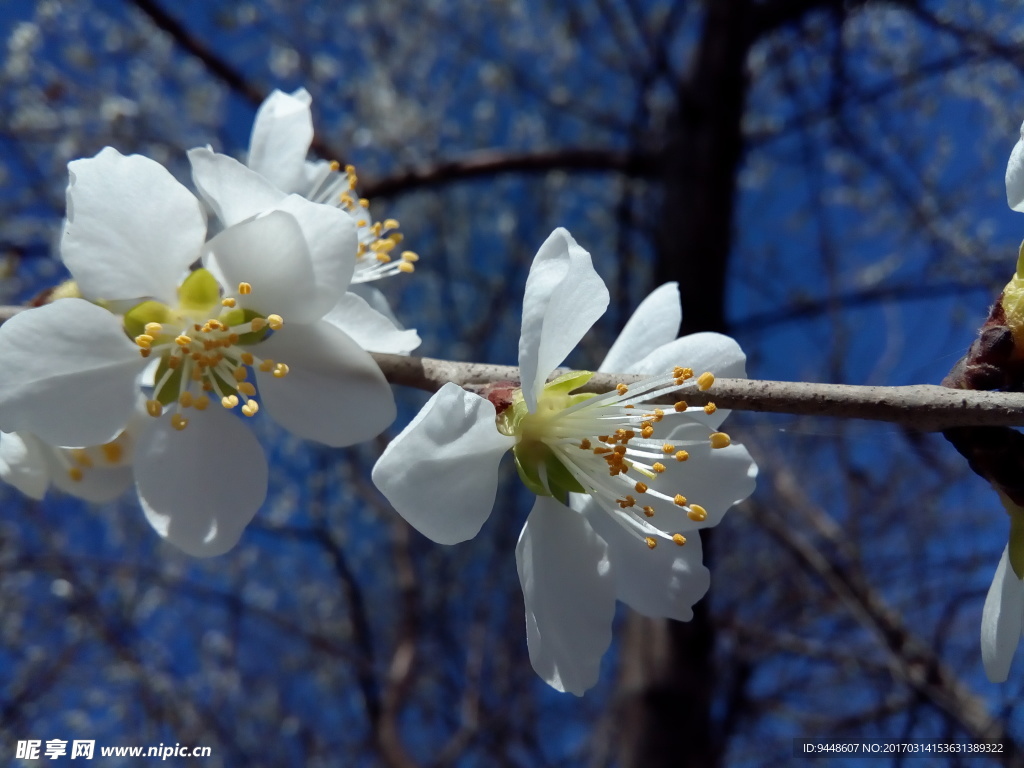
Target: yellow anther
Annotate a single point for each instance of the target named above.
(154, 329)
(621, 389)
(229, 401)
(629, 406)
(585, 444)
(647, 431)
(241, 373)
(682, 455)
(246, 388)
(628, 501)
(362, 200)
(705, 380)
(185, 399)
(640, 488)
(244, 289)
(275, 322)
(651, 542)
(391, 224)
(179, 422)
(406, 267)
(267, 365)
(682, 373)
(649, 511)
(75, 474)
(602, 450)
(710, 408)
(383, 258)
(145, 352)
(658, 467)
(144, 340)
(679, 500)
(720, 440)
(281, 370)
(679, 539)
(183, 340)
(396, 237)
(154, 408)
(410, 256)
(81, 458)
(247, 358)
(250, 408)
(680, 406)
(350, 169)
(658, 415)
(258, 324)
(112, 452)
(229, 302)
(335, 166)
(362, 223)
(619, 449)
(697, 513)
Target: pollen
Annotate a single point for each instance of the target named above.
(679, 539)
(621, 389)
(240, 373)
(183, 340)
(228, 302)
(710, 408)
(247, 358)
(258, 324)
(705, 380)
(406, 267)
(682, 455)
(244, 289)
(649, 511)
(640, 488)
(680, 406)
(409, 256)
(658, 467)
(76, 474)
(281, 370)
(179, 422)
(154, 408)
(144, 340)
(682, 373)
(229, 401)
(112, 452)
(185, 399)
(651, 542)
(250, 408)
(720, 440)
(275, 322)
(585, 444)
(246, 388)
(201, 402)
(81, 457)
(679, 500)
(668, 448)
(153, 329)
(697, 513)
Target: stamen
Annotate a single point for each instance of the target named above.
(658, 467)
(651, 542)
(281, 370)
(275, 322)
(679, 539)
(720, 440)
(229, 401)
(679, 500)
(246, 388)
(244, 289)
(228, 302)
(705, 380)
(250, 408)
(112, 452)
(201, 402)
(680, 406)
(179, 422)
(682, 455)
(710, 408)
(76, 474)
(154, 408)
(697, 513)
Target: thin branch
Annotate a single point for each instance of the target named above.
(923, 407)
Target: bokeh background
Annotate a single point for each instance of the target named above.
(824, 180)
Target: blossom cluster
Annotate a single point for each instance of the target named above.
(190, 313)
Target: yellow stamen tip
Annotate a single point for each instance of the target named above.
(228, 302)
(281, 370)
(250, 408)
(710, 408)
(680, 406)
(658, 467)
(651, 542)
(679, 539)
(682, 455)
(240, 373)
(410, 256)
(185, 399)
(640, 488)
(720, 440)
(649, 511)
(183, 340)
(179, 422)
(668, 448)
(679, 500)
(585, 444)
(246, 388)
(153, 329)
(144, 340)
(258, 324)
(705, 380)
(276, 322)
(229, 401)
(244, 289)
(76, 474)
(112, 452)
(621, 389)
(697, 513)
(406, 267)
(154, 408)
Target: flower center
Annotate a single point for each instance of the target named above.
(604, 446)
(203, 347)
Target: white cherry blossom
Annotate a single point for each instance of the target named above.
(1015, 175)
(259, 307)
(610, 471)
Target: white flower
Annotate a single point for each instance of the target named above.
(1002, 620)
(263, 302)
(277, 167)
(620, 465)
(1015, 175)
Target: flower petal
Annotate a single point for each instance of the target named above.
(1015, 175)
(441, 472)
(281, 135)
(97, 484)
(564, 298)
(705, 351)
(200, 486)
(69, 373)
(334, 393)
(132, 230)
(332, 240)
(569, 591)
(663, 582)
(654, 323)
(234, 192)
(270, 254)
(370, 329)
(1002, 621)
(23, 463)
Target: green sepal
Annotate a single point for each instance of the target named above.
(1016, 542)
(136, 318)
(529, 459)
(200, 291)
(167, 393)
(238, 316)
(566, 383)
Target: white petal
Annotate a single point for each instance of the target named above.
(663, 582)
(68, 375)
(98, 484)
(705, 351)
(376, 300)
(332, 240)
(132, 230)
(270, 254)
(569, 591)
(370, 329)
(1002, 621)
(23, 463)
(654, 323)
(334, 393)
(441, 472)
(281, 135)
(201, 486)
(564, 298)
(234, 192)
(1015, 175)
(714, 478)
